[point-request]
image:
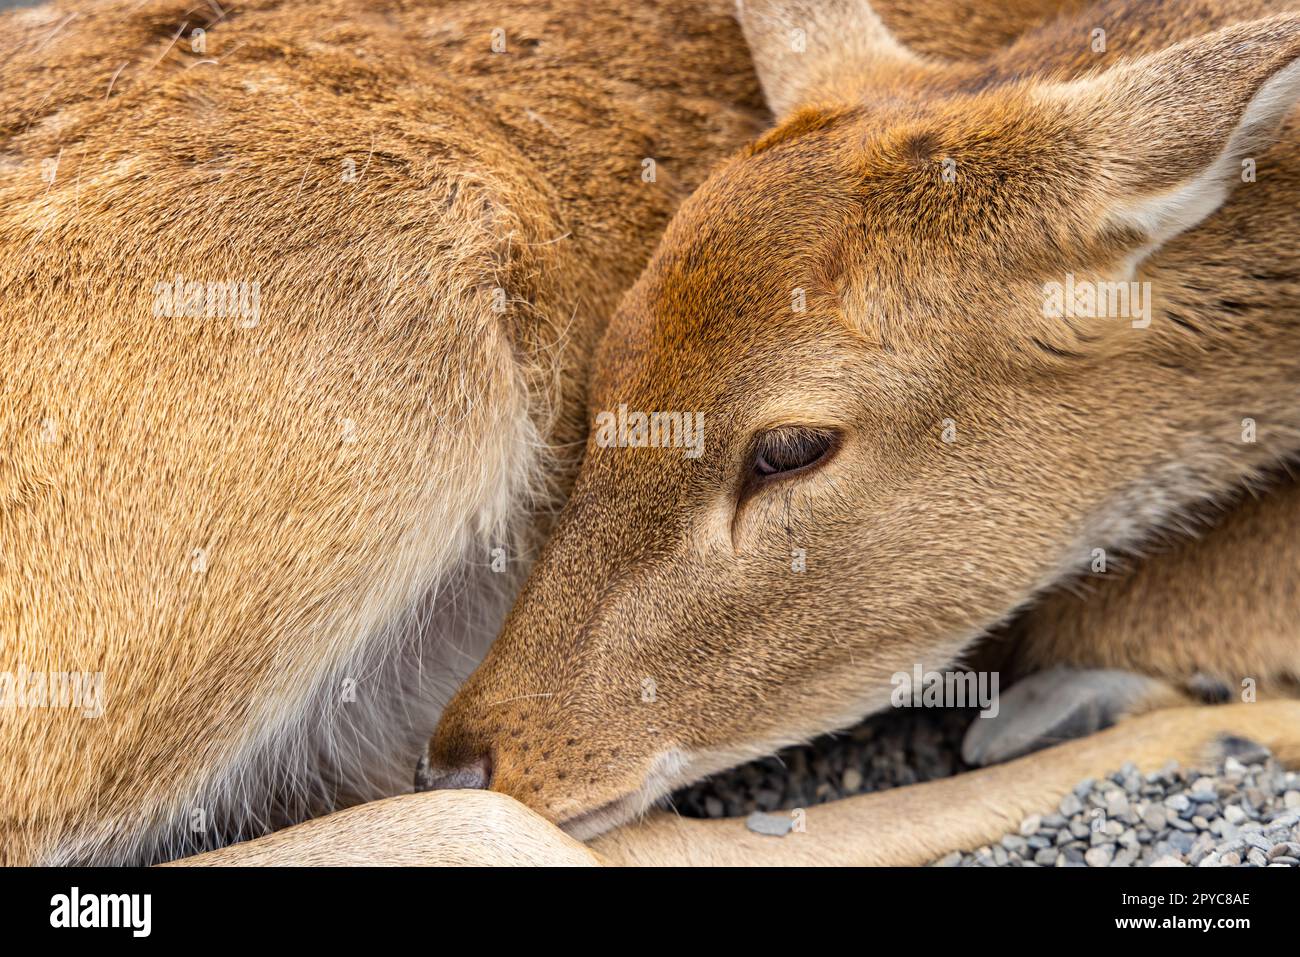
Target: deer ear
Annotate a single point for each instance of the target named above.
(1170, 131)
(804, 48)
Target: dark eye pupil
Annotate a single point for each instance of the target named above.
(788, 451)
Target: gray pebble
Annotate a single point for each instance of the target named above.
(1125, 857)
(772, 825)
(1156, 817)
(1100, 856)
(1015, 844)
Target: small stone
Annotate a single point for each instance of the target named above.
(1156, 817)
(1029, 826)
(772, 825)
(1168, 861)
(949, 860)
(1257, 840)
(1291, 799)
(851, 781)
(1178, 803)
(1015, 844)
(1231, 859)
(1285, 849)
(1200, 851)
(1256, 857)
(1100, 856)
(1231, 846)
(1125, 857)
(1233, 814)
(1071, 805)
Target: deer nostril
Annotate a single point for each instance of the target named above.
(476, 775)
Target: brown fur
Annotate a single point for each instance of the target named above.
(309, 536)
(346, 464)
(923, 305)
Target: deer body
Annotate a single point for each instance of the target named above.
(297, 305)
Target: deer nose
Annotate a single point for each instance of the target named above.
(477, 774)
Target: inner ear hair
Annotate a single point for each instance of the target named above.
(1171, 129)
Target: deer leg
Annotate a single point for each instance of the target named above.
(923, 822)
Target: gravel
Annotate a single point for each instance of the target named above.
(885, 751)
(1242, 813)
(1232, 815)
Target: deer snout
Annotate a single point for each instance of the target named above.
(549, 759)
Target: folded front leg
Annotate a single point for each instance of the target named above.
(921, 823)
(445, 828)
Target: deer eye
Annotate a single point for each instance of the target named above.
(784, 451)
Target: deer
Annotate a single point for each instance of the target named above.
(298, 304)
(78, 794)
(912, 437)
